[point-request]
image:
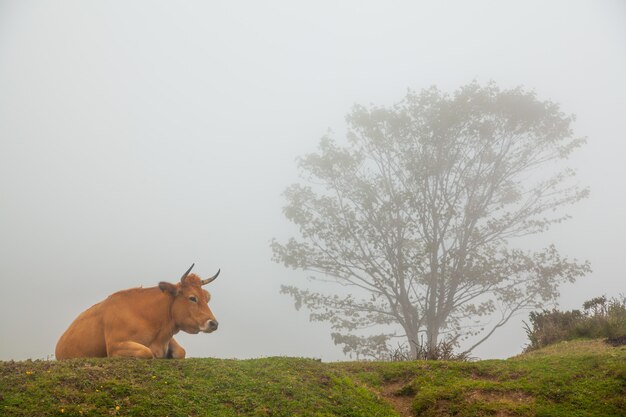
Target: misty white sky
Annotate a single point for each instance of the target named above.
(137, 137)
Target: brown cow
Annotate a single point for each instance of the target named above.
(140, 322)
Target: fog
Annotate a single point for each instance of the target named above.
(139, 137)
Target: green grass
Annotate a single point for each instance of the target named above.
(197, 387)
(569, 379)
(580, 378)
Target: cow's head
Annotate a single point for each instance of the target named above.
(190, 309)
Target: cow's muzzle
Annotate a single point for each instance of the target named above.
(210, 326)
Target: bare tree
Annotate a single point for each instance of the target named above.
(416, 213)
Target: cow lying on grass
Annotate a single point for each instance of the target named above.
(141, 322)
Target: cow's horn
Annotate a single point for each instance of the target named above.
(182, 279)
(206, 281)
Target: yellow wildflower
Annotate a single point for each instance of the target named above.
(117, 408)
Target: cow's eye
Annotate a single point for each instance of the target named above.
(193, 298)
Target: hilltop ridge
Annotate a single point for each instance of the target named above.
(579, 378)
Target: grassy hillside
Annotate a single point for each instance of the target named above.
(570, 379)
(582, 378)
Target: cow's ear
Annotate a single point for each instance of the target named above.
(166, 286)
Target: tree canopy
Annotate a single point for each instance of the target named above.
(415, 212)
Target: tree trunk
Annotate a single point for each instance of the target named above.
(432, 338)
(411, 336)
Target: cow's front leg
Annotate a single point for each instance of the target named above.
(129, 349)
(174, 350)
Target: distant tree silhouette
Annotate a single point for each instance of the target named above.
(416, 211)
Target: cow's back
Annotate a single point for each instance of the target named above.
(85, 336)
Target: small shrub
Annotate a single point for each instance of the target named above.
(444, 350)
(600, 318)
